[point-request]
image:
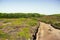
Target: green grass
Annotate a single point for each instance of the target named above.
(24, 33)
(20, 21)
(56, 25)
(52, 19)
(28, 23)
(3, 35)
(32, 23)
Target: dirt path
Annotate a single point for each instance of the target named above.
(47, 32)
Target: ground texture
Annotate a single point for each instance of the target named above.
(47, 32)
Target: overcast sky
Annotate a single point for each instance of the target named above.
(32, 6)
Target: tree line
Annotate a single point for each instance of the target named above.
(19, 15)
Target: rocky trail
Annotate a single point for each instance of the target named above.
(47, 32)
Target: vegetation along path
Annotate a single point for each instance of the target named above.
(47, 32)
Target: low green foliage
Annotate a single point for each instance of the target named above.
(16, 24)
(19, 15)
(57, 25)
(32, 22)
(24, 33)
(3, 35)
(22, 23)
(52, 19)
(2, 27)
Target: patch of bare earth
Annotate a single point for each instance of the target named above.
(47, 32)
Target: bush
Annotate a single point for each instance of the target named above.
(19, 15)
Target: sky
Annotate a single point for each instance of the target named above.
(30, 6)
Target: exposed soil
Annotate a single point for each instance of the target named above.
(47, 32)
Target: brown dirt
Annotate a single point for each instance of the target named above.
(47, 32)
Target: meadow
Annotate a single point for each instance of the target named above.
(22, 26)
(54, 20)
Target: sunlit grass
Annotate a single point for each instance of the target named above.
(24, 33)
(12, 23)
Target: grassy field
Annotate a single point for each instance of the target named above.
(54, 20)
(14, 27)
(17, 28)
